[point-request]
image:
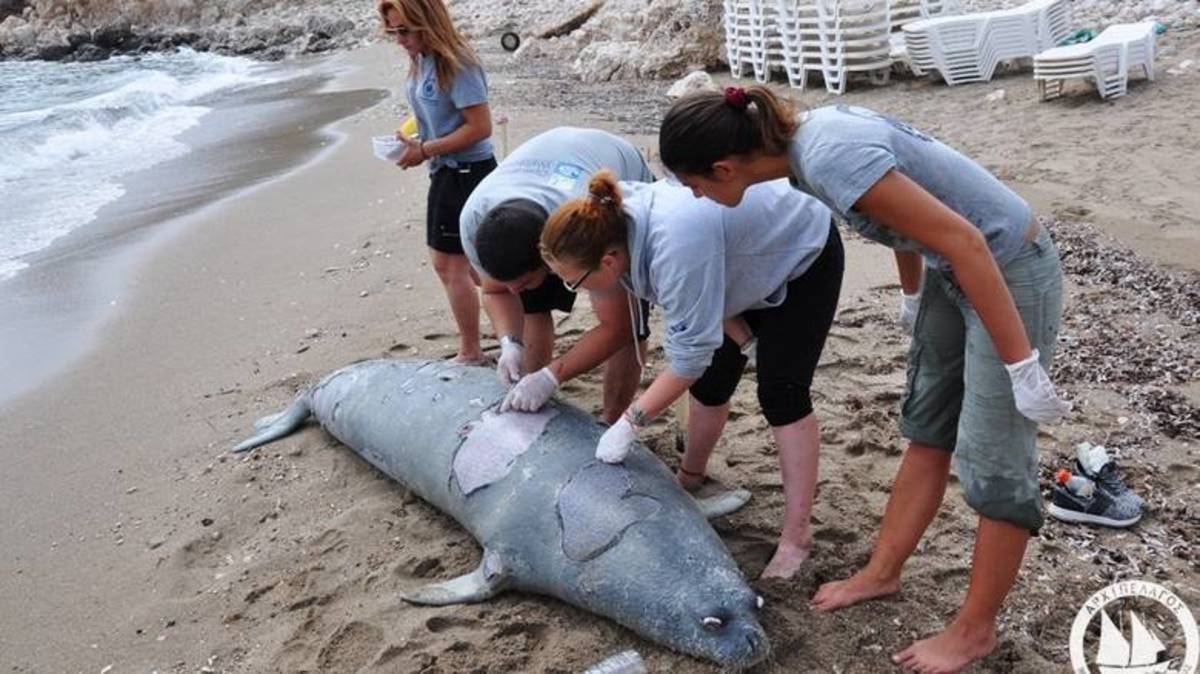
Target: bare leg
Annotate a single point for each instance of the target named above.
(621, 378)
(799, 451)
(999, 549)
(917, 493)
(703, 430)
(538, 335)
(454, 271)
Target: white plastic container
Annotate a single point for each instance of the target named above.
(625, 662)
(388, 148)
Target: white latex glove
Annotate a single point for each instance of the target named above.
(508, 366)
(909, 304)
(1033, 391)
(616, 441)
(531, 393)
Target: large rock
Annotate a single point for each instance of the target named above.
(11, 8)
(690, 84)
(117, 34)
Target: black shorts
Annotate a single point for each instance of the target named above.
(790, 336)
(448, 191)
(552, 294)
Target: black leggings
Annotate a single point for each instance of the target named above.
(790, 339)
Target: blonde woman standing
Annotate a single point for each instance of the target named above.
(447, 92)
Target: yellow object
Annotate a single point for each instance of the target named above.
(409, 127)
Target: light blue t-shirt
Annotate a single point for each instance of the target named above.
(439, 112)
(549, 169)
(702, 263)
(839, 152)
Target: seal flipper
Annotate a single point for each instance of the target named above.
(485, 582)
(724, 503)
(275, 426)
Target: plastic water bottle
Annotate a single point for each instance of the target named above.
(626, 662)
(1076, 484)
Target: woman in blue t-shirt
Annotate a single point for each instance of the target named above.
(447, 91)
(983, 299)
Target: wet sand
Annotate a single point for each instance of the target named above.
(132, 539)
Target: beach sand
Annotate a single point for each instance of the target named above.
(131, 538)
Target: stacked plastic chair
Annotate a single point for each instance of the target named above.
(1107, 60)
(968, 48)
(834, 38)
(905, 11)
(744, 37)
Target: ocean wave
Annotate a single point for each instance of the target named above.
(66, 146)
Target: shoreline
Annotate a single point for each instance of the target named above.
(53, 311)
(136, 541)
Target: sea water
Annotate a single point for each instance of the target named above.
(69, 132)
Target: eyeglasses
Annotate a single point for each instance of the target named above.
(398, 31)
(574, 286)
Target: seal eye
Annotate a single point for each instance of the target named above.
(758, 601)
(712, 623)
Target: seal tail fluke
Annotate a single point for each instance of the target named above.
(275, 426)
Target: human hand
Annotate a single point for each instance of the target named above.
(508, 366)
(413, 155)
(616, 441)
(1033, 391)
(531, 393)
(909, 304)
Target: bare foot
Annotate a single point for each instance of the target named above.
(787, 560)
(471, 358)
(857, 588)
(948, 652)
(689, 482)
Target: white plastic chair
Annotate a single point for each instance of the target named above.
(1107, 60)
(969, 47)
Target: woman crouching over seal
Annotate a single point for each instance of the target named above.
(982, 298)
(775, 260)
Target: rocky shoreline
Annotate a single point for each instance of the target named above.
(613, 39)
(55, 30)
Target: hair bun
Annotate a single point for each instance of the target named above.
(602, 187)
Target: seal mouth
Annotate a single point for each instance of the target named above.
(744, 649)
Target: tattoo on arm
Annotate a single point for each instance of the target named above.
(637, 416)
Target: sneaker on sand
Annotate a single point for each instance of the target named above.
(1077, 500)
(1093, 462)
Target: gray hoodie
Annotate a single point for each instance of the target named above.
(702, 262)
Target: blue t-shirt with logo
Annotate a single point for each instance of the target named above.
(439, 112)
(839, 152)
(549, 169)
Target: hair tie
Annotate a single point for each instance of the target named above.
(606, 200)
(736, 96)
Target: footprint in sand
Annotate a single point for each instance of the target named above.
(350, 648)
(441, 623)
(836, 535)
(433, 337)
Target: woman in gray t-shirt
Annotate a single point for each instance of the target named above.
(448, 94)
(983, 306)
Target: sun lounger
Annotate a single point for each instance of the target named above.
(1107, 60)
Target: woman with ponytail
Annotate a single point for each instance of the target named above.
(775, 260)
(982, 298)
(448, 94)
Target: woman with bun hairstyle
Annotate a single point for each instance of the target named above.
(775, 260)
(982, 298)
(448, 93)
